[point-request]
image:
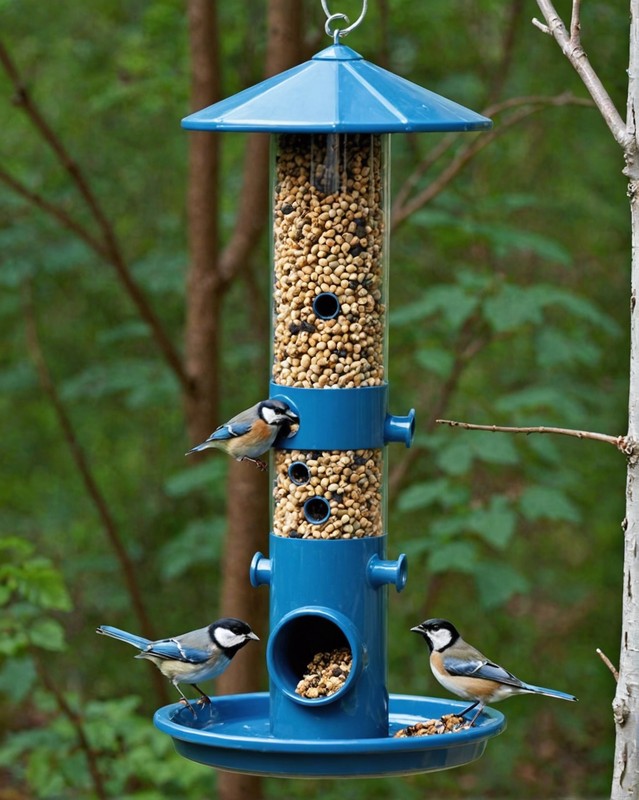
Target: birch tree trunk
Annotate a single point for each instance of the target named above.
(625, 782)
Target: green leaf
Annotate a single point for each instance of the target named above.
(558, 402)
(544, 502)
(450, 300)
(199, 543)
(513, 307)
(495, 448)
(39, 582)
(492, 448)
(504, 239)
(497, 582)
(205, 475)
(47, 634)
(454, 556)
(142, 382)
(555, 348)
(435, 359)
(456, 458)
(17, 677)
(496, 523)
(422, 495)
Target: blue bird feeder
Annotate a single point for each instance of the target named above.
(328, 712)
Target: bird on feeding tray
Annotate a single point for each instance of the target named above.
(195, 656)
(250, 433)
(464, 671)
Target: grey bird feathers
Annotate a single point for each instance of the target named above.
(191, 657)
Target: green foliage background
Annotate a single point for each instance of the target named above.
(509, 297)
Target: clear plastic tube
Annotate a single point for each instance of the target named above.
(330, 265)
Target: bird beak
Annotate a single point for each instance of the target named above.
(292, 416)
(417, 629)
(251, 635)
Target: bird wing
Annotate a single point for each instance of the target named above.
(481, 669)
(230, 430)
(176, 650)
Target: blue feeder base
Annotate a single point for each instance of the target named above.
(233, 733)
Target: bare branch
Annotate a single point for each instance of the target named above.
(620, 442)
(66, 220)
(543, 28)
(570, 44)
(524, 107)
(575, 21)
(76, 723)
(110, 248)
(470, 341)
(608, 663)
(503, 67)
(88, 479)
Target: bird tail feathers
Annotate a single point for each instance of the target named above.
(551, 692)
(130, 638)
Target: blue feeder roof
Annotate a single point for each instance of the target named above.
(336, 91)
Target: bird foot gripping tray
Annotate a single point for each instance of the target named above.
(328, 711)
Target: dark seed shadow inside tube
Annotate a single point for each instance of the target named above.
(326, 305)
(299, 473)
(299, 641)
(317, 510)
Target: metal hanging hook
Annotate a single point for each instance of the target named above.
(338, 32)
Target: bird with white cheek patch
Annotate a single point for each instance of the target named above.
(191, 657)
(251, 432)
(464, 671)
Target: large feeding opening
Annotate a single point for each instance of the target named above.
(311, 658)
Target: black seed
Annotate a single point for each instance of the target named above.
(287, 209)
(308, 327)
(294, 328)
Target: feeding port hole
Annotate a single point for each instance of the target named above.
(326, 305)
(298, 641)
(317, 510)
(299, 473)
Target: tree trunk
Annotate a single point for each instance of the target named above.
(248, 521)
(626, 703)
(210, 274)
(203, 298)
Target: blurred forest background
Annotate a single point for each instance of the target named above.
(509, 298)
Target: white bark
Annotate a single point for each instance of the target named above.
(625, 782)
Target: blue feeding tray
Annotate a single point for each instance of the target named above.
(234, 733)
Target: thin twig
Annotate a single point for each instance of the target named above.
(608, 663)
(570, 44)
(110, 248)
(575, 22)
(88, 479)
(469, 342)
(525, 107)
(58, 213)
(620, 442)
(77, 724)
